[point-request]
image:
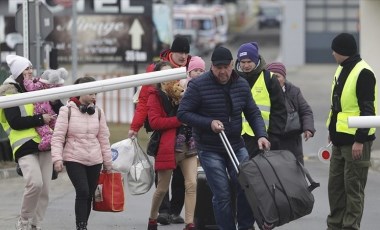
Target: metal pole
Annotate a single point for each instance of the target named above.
(25, 30)
(92, 87)
(74, 53)
(38, 37)
(364, 122)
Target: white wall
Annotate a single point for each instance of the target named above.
(370, 34)
(292, 40)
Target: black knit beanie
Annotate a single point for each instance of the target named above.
(344, 44)
(180, 45)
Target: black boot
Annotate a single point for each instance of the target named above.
(82, 225)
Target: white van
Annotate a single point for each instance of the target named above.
(210, 24)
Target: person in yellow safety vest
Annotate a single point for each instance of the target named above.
(19, 123)
(354, 93)
(267, 93)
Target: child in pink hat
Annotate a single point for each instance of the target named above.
(196, 67)
(185, 137)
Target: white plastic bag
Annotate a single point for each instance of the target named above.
(122, 155)
(136, 95)
(141, 174)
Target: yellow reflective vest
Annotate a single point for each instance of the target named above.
(18, 137)
(348, 100)
(261, 96)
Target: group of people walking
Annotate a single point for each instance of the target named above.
(247, 99)
(250, 101)
(213, 102)
(80, 142)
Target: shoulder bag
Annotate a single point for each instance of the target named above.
(293, 123)
(154, 142)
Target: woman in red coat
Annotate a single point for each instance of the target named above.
(162, 116)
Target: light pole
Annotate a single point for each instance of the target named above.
(74, 53)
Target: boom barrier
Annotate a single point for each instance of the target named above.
(92, 87)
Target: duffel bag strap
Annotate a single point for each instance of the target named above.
(312, 182)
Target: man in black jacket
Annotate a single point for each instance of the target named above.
(353, 94)
(213, 103)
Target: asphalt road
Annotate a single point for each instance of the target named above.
(60, 213)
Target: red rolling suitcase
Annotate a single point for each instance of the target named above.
(275, 186)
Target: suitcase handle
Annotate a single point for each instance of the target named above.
(230, 151)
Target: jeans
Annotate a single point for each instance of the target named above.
(219, 170)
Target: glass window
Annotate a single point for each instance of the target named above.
(335, 3)
(315, 13)
(315, 26)
(352, 26)
(352, 13)
(352, 3)
(335, 26)
(179, 23)
(335, 13)
(315, 3)
(204, 24)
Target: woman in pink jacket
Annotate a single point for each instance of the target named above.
(81, 142)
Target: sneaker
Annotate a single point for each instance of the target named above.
(189, 227)
(164, 218)
(22, 224)
(152, 224)
(81, 225)
(177, 219)
(34, 227)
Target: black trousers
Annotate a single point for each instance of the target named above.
(251, 145)
(85, 179)
(175, 204)
(293, 143)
